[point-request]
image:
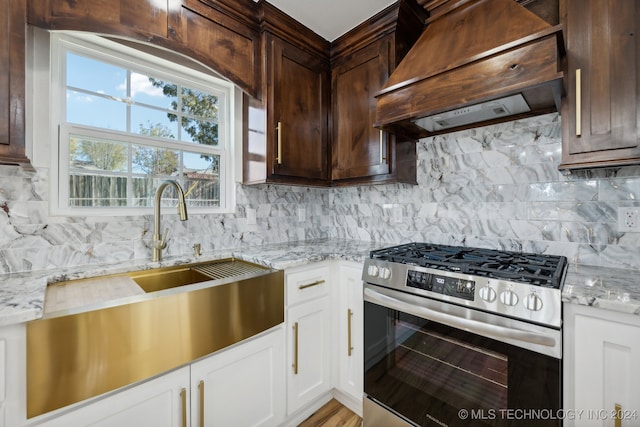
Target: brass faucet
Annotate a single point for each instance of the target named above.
(160, 242)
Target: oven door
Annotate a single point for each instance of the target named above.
(429, 363)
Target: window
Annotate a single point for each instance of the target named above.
(127, 120)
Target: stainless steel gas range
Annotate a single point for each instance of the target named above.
(462, 336)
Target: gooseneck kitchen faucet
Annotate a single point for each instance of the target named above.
(160, 242)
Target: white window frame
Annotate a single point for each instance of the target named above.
(106, 50)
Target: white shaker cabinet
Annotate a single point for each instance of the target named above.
(160, 402)
(243, 386)
(349, 337)
(602, 367)
(308, 335)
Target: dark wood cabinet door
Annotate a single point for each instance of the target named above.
(358, 149)
(600, 112)
(298, 125)
(13, 15)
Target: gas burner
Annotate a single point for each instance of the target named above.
(529, 268)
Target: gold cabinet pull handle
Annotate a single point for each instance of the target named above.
(578, 102)
(279, 153)
(295, 348)
(183, 398)
(201, 388)
(349, 346)
(383, 158)
(381, 144)
(310, 285)
(617, 417)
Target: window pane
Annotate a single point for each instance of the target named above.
(152, 91)
(97, 191)
(202, 193)
(155, 161)
(96, 76)
(199, 131)
(89, 153)
(201, 165)
(199, 104)
(143, 191)
(96, 111)
(150, 122)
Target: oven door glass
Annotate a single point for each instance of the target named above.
(434, 375)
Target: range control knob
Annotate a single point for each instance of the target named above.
(533, 302)
(385, 273)
(487, 293)
(509, 298)
(372, 270)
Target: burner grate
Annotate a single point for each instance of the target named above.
(534, 269)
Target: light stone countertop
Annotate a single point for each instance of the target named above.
(22, 295)
(608, 288)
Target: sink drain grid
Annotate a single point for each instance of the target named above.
(224, 270)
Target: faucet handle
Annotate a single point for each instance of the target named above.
(161, 242)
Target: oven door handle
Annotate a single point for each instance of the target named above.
(473, 326)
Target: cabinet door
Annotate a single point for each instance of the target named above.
(241, 386)
(600, 112)
(298, 126)
(13, 15)
(358, 149)
(605, 372)
(161, 402)
(350, 333)
(308, 347)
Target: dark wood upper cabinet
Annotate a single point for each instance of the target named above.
(13, 15)
(362, 61)
(224, 38)
(600, 114)
(297, 106)
(221, 35)
(286, 138)
(358, 149)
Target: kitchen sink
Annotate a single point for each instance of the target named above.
(185, 313)
(159, 279)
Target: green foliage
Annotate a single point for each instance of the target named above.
(155, 161)
(198, 115)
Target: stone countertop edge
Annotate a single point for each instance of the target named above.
(22, 294)
(607, 288)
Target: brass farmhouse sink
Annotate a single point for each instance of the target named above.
(159, 279)
(75, 356)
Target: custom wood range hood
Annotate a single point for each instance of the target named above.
(477, 62)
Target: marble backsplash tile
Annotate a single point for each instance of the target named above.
(496, 187)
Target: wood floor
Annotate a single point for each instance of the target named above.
(333, 414)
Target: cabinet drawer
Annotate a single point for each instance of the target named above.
(307, 284)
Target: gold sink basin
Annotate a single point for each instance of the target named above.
(88, 353)
(159, 279)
